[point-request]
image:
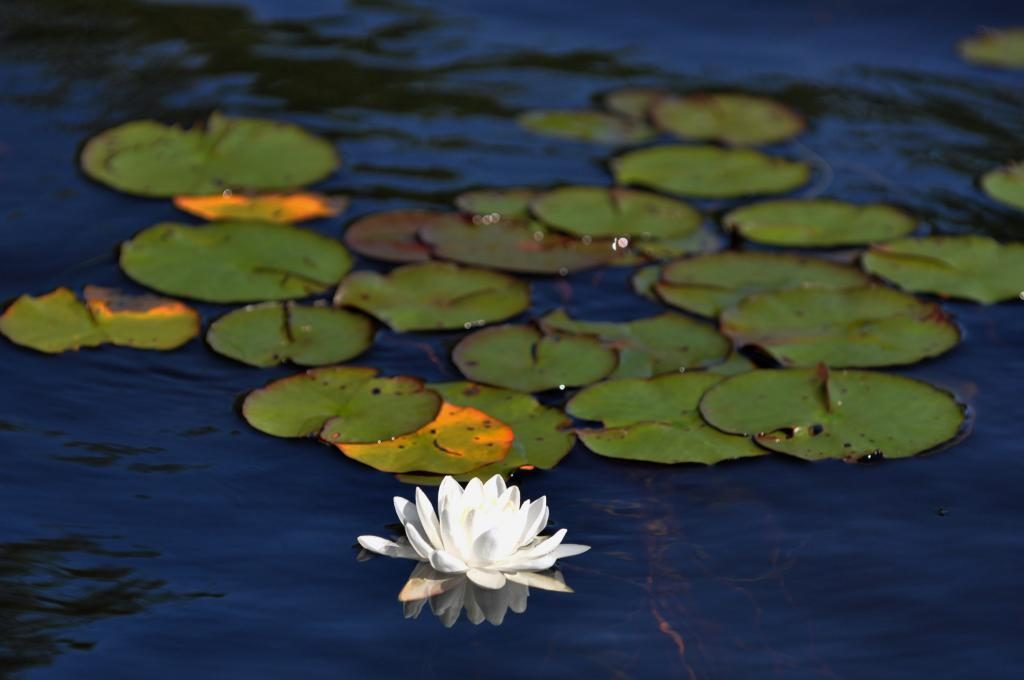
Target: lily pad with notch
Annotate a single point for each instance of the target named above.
(730, 117)
(818, 223)
(632, 102)
(609, 212)
(272, 333)
(816, 413)
(1006, 184)
(586, 126)
(391, 236)
(279, 208)
(1003, 48)
(505, 203)
(234, 261)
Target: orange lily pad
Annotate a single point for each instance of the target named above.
(280, 208)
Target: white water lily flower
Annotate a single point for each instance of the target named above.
(483, 532)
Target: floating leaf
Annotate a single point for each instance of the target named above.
(703, 240)
(733, 118)
(391, 235)
(514, 246)
(151, 159)
(709, 171)
(59, 322)
(272, 333)
(521, 358)
(343, 404)
(972, 267)
(707, 284)
(632, 102)
(818, 223)
(814, 413)
(644, 280)
(234, 261)
(1003, 48)
(665, 343)
(510, 203)
(435, 296)
(459, 440)
(587, 126)
(280, 208)
(656, 420)
(870, 326)
(1006, 184)
(612, 212)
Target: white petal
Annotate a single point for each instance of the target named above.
(406, 511)
(448, 493)
(536, 520)
(473, 494)
(428, 519)
(569, 550)
(514, 495)
(418, 543)
(426, 582)
(538, 580)
(517, 595)
(452, 530)
(492, 580)
(383, 546)
(494, 487)
(516, 563)
(545, 546)
(447, 563)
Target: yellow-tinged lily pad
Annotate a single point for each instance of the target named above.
(458, 441)
(815, 413)
(234, 261)
(666, 343)
(856, 327)
(497, 204)
(273, 332)
(343, 404)
(632, 102)
(148, 158)
(970, 267)
(435, 296)
(587, 126)
(610, 212)
(1006, 184)
(707, 284)
(729, 117)
(522, 358)
(656, 420)
(995, 47)
(818, 223)
(709, 171)
(279, 208)
(391, 236)
(59, 322)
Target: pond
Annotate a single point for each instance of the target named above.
(149, 532)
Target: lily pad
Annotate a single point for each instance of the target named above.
(971, 267)
(391, 236)
(1003, 48)
(515, 246)
(609, 212)
(147, 158)
(234, 261)
(813, 413)
(632, 102)
(435, 296)
(587, 126)
(857, 327)
(707, 284)
(665, 343)
(272, 333)
(729, 117)
(509, 203)
(644, 279)
(521, 358)
(279, 208)
(343, 404)
(656, 420)
(459, 440)
(1006, 184)
(704, 240)
(59, 322)
(818, 223)
(709, 171)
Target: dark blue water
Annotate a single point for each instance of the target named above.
(148, 533)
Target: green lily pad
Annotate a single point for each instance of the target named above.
(58, 322)
(1006, 184)
(234, 261)
(709, 171)
(609, 212)
(147, 158)
(665, 343)
(732, 118)
(707, 284)
(818, 223)
(644, 279)
(434, 296)
(342, 404)
(656, 420)
(272, 333)
(1003, 48)
(856, 327)
(392, 236)
(971, 267)
(703, 240)
(514, 246)
(813, 413)
(586, 126)
(459, 440)
(521, 358)
(632, 102)
(509, 203)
